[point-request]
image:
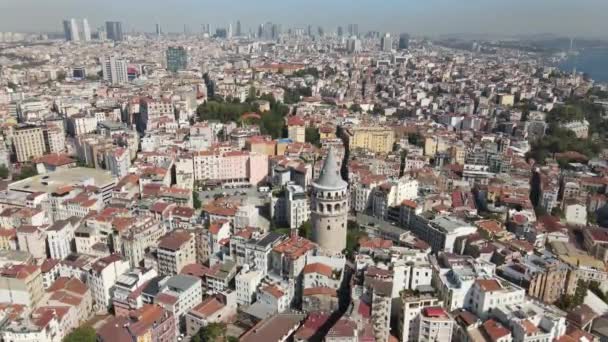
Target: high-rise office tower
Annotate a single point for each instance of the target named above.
(309, 31)
(321, 31)
(114, 69)
(159, 31)
(353, 30)
(86, 30)
(329, 206)
(70, 30)
(386, 43)
(239, 29)
(353, 44)
(114, 31)
(67, 30)
(229, 31)
(268, 31)
(177, 58)
(275, 31)
(340, 31)
(404, 41)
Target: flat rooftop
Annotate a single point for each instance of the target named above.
(52, 181)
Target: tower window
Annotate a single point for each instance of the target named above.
(328, 227)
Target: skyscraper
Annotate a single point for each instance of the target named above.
(329, 206)
(340, 31)
(70, 30)
(159, 30)
(239, 29)
(229, 31)
(114, 69)
(86, 30)
(67, 30)
(404, 41)
(114, 31)
(353, 44)
(321, 31)
(177, 58)
(353, 30)
(386, 43)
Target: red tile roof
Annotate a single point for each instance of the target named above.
(55, 160)
(208, 307)
(495, 330)
(489, 285)
(174, 240)
(318, 268)
(274, 291)
(320, 291)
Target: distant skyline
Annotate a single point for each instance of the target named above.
(581, 18)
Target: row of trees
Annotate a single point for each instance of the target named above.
(271, 123)
(558, 139)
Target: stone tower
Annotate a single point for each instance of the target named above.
(329, 206)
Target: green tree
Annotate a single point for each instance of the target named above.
(213, 332)
(356, 108)
(415, 139)
(4, 172)
(313, 136)
(81, 334)
(305, 230)
(568, 302)
(196, 202)
(27, 171)
(353, 234)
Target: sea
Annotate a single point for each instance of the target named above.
(593, 62)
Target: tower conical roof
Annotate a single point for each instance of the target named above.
(330, 173)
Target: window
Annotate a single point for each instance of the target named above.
(328, 227)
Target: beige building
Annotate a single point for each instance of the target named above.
(375, 139)
(296, 129)
(458, 153)
(176, 250)
(21, 284)
(434, 145)
(506, 99)
(29, 143)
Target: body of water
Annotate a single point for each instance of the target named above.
(594, 62)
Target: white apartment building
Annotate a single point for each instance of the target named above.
(246, 283)
(102, 277)
(81, 124)
(413, 304)
(488, 293)
(187, 289)
(433, 324)
(118, 161)
(297, 208)
(114, 69)
(59, 238)
(54, 139)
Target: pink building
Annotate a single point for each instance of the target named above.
(258, 167)
(230, 167)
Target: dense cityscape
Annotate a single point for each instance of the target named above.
(276, 183)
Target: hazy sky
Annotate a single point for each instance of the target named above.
(565, 17)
